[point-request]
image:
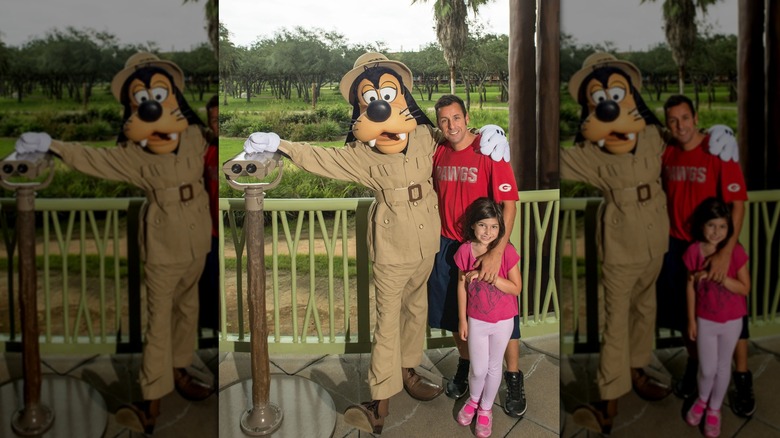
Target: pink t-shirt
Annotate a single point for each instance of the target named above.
(460, 177)
(713, 301)
(485, 301)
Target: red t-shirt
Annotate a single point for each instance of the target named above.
(690, 177)
(713, 301)
(485, 301)
(460, 177)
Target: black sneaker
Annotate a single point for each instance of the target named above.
(686, 387)
(515, 404)
(459, 384)
(741, 398)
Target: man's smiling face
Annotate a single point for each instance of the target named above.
(453, 124)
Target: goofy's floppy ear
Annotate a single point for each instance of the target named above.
(415, 110)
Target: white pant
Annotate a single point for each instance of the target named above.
(487, 343)
(715, 342)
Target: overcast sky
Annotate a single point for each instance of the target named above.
(631, 25)
(403, 25)
(169, 23)
(400, 24)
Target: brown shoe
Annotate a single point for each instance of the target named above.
(190, 387)
(368, 416)
(139, 416)
(598, 417)
(647, 387)
(420, 387)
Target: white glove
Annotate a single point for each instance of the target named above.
(33, 142)
(262, 142)
(723, 143)
(494, 143)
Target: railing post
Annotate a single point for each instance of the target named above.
(592, 276)
(363, 280)
(135, 343)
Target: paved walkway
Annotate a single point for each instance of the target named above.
(344, 378)
(638, 418)
(114, 378)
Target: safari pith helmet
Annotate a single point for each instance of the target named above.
(373, 59)
(599, 60)
(141, 60)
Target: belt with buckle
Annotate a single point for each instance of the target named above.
(182, 193)
(640, 193)
(410, 193)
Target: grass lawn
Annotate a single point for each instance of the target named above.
(330, 96)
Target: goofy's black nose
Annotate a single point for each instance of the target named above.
(150, 111)
(607, 111)
(378, 111)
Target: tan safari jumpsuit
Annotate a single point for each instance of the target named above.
(174, 240)
(634, 228)
(403, 237)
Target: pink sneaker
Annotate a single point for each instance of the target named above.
(484, 425)
(693, 417)
(467, 412)
(712, 423)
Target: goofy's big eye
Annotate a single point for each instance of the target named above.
(388, 93)
(141, 96)
(370, 96)
(598, 96)
(617, 93)
(159, 93)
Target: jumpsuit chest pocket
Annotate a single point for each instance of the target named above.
(173, 172)
(631, 171)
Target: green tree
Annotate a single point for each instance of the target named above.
(428, 67)
(657, 67)
(452, 29)
(228, 62)
(200, 68)
(680, 30)
(211, 14)
(487, 58)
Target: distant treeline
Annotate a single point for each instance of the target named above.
(68, 64)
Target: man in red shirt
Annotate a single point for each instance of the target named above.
(461, 174)
(691, 173)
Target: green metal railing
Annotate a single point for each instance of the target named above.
(93, 305)
(759, 236)
(328, 224)
(90, 274)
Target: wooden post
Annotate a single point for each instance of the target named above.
(751, 96)
(773, 93)
(522, 96)
(549, 94)
(34, 418)
(264, 417)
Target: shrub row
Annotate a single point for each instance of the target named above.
(95, 124)
(323, 124)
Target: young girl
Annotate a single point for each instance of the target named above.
(490, 309)
(715, 310)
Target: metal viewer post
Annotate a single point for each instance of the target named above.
(264, 417)
(34, 418)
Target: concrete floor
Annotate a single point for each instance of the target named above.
(638, 418)
(343, 378)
